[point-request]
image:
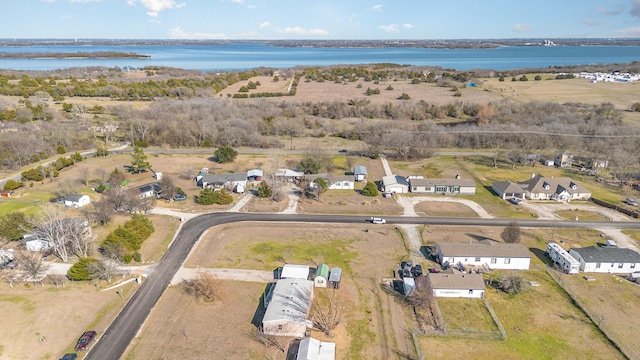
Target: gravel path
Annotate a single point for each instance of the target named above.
(224, 274)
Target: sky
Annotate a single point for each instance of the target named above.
(322, 19)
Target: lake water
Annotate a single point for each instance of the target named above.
(246, 56)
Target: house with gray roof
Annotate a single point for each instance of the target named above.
(607, 259)
(236, 182)
(508, 189)
(442, 186)
(485, 253)
(395, 184)
(288, 307)
(360, 173)
(457, 285)
(334, 182)
(552, 188)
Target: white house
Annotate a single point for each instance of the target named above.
(288, 306)
(562, 258)
(313, 349)
(486, 253)
(607, 259)
(236, 182)
(146, 190)
(292, 271)
(76, 200)
(559, 189)
(442, 186)
(457, 285)
(288, 175)
(333, 182)
(395, 184)
(360, 173)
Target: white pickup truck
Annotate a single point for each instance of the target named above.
(377, 220)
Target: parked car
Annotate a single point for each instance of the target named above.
(58, 200)
(434, 270)
(631, 202)
(69, 357)
(85, 340)
(515, 201)
(376, 220)
(180, 197)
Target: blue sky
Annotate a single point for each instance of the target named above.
(328, 19)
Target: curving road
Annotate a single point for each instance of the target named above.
(124, 328)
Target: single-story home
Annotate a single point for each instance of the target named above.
(76, 200)
(333, 182)
(313, 349)
(292, 271)
(236, 182)
(442, 186)
(288, 175)
(508, 189)
(255, 175)
(288, 306)
(321, 278)
(360, 173)
(146, 190)
(485, 253)
(457, 285)
(552, 188)
(6, 193)
(607, 259)
(395, 184)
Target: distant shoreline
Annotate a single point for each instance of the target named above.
(74, 55)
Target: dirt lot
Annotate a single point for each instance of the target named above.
(375, 323)
(429, 208)
(45, 322)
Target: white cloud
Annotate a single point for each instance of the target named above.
(264, 24)
(178, 33)
(633, 32)
(590, 22)
(389, 28)
(83, 1)
(407, 26)
(300, 31)
(154, 7)
(377, 8)
(235, 1)
(521, 28)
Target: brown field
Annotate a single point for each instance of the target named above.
(375, 323)
(432, 208)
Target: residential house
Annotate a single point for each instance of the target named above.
(562, 259)
(563, 159)
(321, 279)
(551, 188)
(485, 253)
(145, 191)
(508, 189)
(607, 259)
(395, 184)
(288, 306)
(313, 349)
(235, 182)
(333, 182)
(288, 175)
(457, 285)
(7, 193)
(360, 173)
(35, 244)
(442, 186)
(292, 271)
(76, 200)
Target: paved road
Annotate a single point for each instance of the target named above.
(117, 337)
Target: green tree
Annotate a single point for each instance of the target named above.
(141, 226)
(264, 190)
(523, 78)
(225, 154)
(139, 162)
(537, 78)
(310, 165)
(404, 96)
(243, 89)
(370, 189)
(223, 197)
(206, 197)
(83, 269)
(12, 184)
(320, 187)
(61, 149)
(13, 226)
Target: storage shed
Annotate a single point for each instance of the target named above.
(291, 271)
(313, 349)
(360, 173)
(76, 200)
(334, 278)
(322, 276)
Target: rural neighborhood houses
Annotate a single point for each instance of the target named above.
(145, 191)
(465, 285)
(76, 200)
(334, 182)
(607, 259)
(484, 254)
(443, 186)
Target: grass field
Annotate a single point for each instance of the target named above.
(466, 314)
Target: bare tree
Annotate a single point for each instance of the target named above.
(79, 236)
(33, 266)
(48, 226)
(327, 311)
(58, 280)
(167, 187)
(280, 342)
(10, 274)
(205, 286)
(511, 233)
(84, 174)
(105, 270)
(423, 296)
(513, 284)
(102, 174)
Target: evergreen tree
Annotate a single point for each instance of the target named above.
(370, 189)
(206, 197)
(82, 270)
(139, 162)
(225, 154)
(264, 190)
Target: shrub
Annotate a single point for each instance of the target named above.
(513, 284)
(225, 154)
(12, 184)
(370, 189)
(264, 190)
(61, 149)
(206, 197)
(82, 270)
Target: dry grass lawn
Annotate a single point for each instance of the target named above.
(436, 209)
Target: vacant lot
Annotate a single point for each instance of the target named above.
(466, 314)
(433, 208)
(612, 303)
(542, 323)
(375, 322)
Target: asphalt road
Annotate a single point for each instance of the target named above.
(113, 343)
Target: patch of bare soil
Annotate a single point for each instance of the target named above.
(257, 204)
(349, 202)
(428, 208)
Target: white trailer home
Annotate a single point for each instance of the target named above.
(562, 258)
